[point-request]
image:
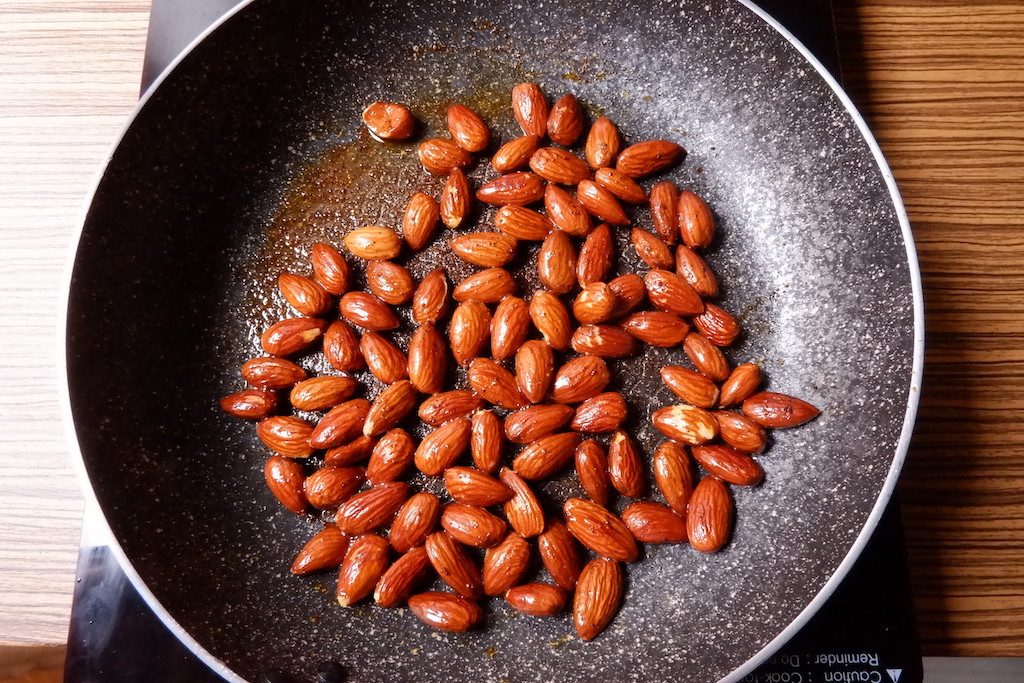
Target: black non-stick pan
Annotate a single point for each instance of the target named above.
(250, 149)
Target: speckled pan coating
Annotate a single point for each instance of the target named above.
(250, 151)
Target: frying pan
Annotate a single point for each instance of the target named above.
(249, 150)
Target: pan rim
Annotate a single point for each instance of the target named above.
(812, 607)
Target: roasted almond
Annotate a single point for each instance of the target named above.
(729, 464)
(372, 508)
(518, 189)
(505, 564)
(430, 302)
(602, 413)
(473, 526)
(402, 578)
(284, 480)
(600, 530)
(600, 203)
(565, 122)
(286, 435)
(580, 378)
(330, 269)
(709, 516)
(717, 325)
(419, 222)
(532, 422)
(706, 357)
(603, 341)
(390, 407)
(696, 271)
(321, 393)
(530, 108)
(454, 565)
(442, 447)
(740, 432)
(598, 596)
(654, 523)
(365, 562)
(664, 211)
(551, 318)
(367, 311)
(685, 423)
(741, 384)
(446, 405)
(670, 292)
(340, 424)
(546, 456)
(536, 599)
(489, 286)
(341, 347)
(651, 249)
(373, 242)
(629, 291)
(565, 211)
(470, 486)
(522, 510)
(657, 328)
(644, 158)
(560, 555)
(428, 359)
(595, 258)
(625, 469)
(521, 223)
(556, 263)
(304, 294)
(535, 368)
(692, 387)
(456, 199)
(326, 550)
(416, 519)
(620, 185)
(486, 440)
(446, 611)
(384, 360)
(391, 458)
(509, 327)
(390, 282)
(485, 249)
(515, 154)
(292, 335)
(441, 157)
(467, 128)
(356, 450)
(469, 330)
(673, 474)
(770, 409)
(559, 166)
(594, 304)
(592, 471)
(250, 404)
(696, 222)
(268, 372)
(494, 384)
(603, 143)
(329, 487)
(389, 121)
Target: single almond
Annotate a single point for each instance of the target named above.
(326, 550)
(673, 474)
(536, 599)
(559, 166)
(696, 222)
(535, 368)
(454, 565)
(653, 522)
(446, 611)
(456, 199)
(268, 372)
(580, 378)
(522, 510)
(644, 158)
(600, 203)
(603, 143)
(430, 302)
(323, 392)
(598, 597)
(366, 560)
(592, 471)
(664, 211)
(441, 157)
(515, 154)
(428, 359)
(657, 328)
(250, 404)
(390, 282)
(505, 564)
(706, 357)
(565, 122)
(329, 487)
(594, 304)
(402, 578)
(367, 311)
(603, 341)
(740, 432)
(390, 407)
(717, 325)
(602, 413)
(685, 423)
(620, 185)
(341, 347)
(779, 411)
(696, 271)
(372, 508)
(470, 486)
(521, 223)
(292, 336)
(373, 242)
(530, 108)
(741, 384)
(547, 455)
(446, 405)
(416, 520)
(356, 450)
(419, 222)
(467, 128)
(385, 361)
(304, 294)
(389, 121)
(330, 269)
(651, 249)
(692, 387)
(709, 516)
(494, 384)
(670, 292)
(596, 255)
(286, 435)
(532, 422)
(560, 555)
(517, 189)
(728, 464)
(565, 211)
(600, 530)
(442, 447)
(469, 330)
(556, 263)
(551, 318)
(391, 458)
(625, 469)
(489, 286)
(284, 479)
(340, 424)
(473, 526)
(485, 249)
(486, 441)
(629, 291)
(509, 327)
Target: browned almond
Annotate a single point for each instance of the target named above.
(494, 384)
(565, 211)
(532, 422)
(559, 166)
(603, 341)
(384, 360)
(644, 158)
(595, 259)
(530, 108)
(329, 487)
(729, 464)
(740, 432)
(601, 413)
(391, 458)
(594, 304)
(565, 122)
(330, 269)
(522, 223)
(535, 368)
(389, 408)
(292, 335)
(717, 325)
(286, 435)
(354, 451)
(690, 386)
(469, 330)
(441, 157)
(473, 526)
(446, 611)
(390, 282)
(509, 327)
(419, 222)
(446, 405)
(551, 318)
(664, 211)
(515, 154)
(470, 486)
(268, 372)
(740, 385)
(696, 222)
(657, 328)
(251, 404)
(546, 456)
(560, 555)
(706, 357)
(415, 521)
(428, 359)
(304, 294)
(580, 378)
(340, 424)
(536, 599)
(326, 550)
(505, 564)
(454, 565)
(651, 249)
(284, 480)
(629, 291)
(696, 271)
(456, 199)
(402, 578)
(620, 185)
(485, 249)
(467, 128)
(430, 302)
(372, 508)
(442, 447)
(592, 471)
(670, 292)
(673, 474)
(523, 510)
(365, 562)
(323, 392)
(486, 440)
(709, 516)
(373, 242)
(598, 596)
(489, 286)
(654, 523)
(341, 347)
(556, 263)
(625, 469)
(389, 121)
(367, 311)
(770, 409)
(517, 189)
(603, 143)
(600, 203)
(685, 423)
(600, 530)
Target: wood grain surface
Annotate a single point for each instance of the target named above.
(942, 85)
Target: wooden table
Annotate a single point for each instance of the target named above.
(942, 84)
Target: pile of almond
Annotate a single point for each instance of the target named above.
(536, 373)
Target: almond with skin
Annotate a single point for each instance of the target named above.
(323, 392)
(729, 464)
(546, 456)
(365, 562)
(692, 387)
(599, 414)
(420, 220)
(580, 378)
(341, 424)
(717, 325)
(536, 599)
(653, 522)
(664, 211)
(494, 384)
(530, 423)
(329, 487)
(741, 384)
(648, 157)
(530, 108)
(416, 520)
(341, 347)
(565, 211)
(485, 249)
(391, 458)
(673, 475)
(603, 143)
(598, 596)
(629, 291)
(509, 327)
(670, 292)
(706, 357)
(515, 154)
(384, 360)
(696, 222)
(625, 468)
(620, 185)
(456, 198)
(330, 269)
(467, 128)
(651, 249)
(326, 550)
(473, 526)
(430, 302)
(284, 479)
(445, 611)
(268, 372)
(696, 271)
(469, 330)
(487, 440)
(685, 423)
(594, 304)
(442, 447)
(367, 311)
(600, 530)
(441, 157)
(389, 121)
(304, 294)
(428, 359)
(402, 578)
(551, 318)
(556, 263)
(740, 432)
(488, 286)
(505, 564)
(566, 121)
(600, 203)
(390, 282)
(446, 405)
(535, 369)
(522, 510)
(560, 555)
(373, 242)
(286, 435)
(559, 166)
(250, 404)
(521, 223)
(517, 189)
(603, 341)
(372, 508)
(596, 255)
(770, 409)
(454, 565)
(292, 336)
(592, 471)
(657, 328)
(709, 516)
(354, 451)
(470, 486)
